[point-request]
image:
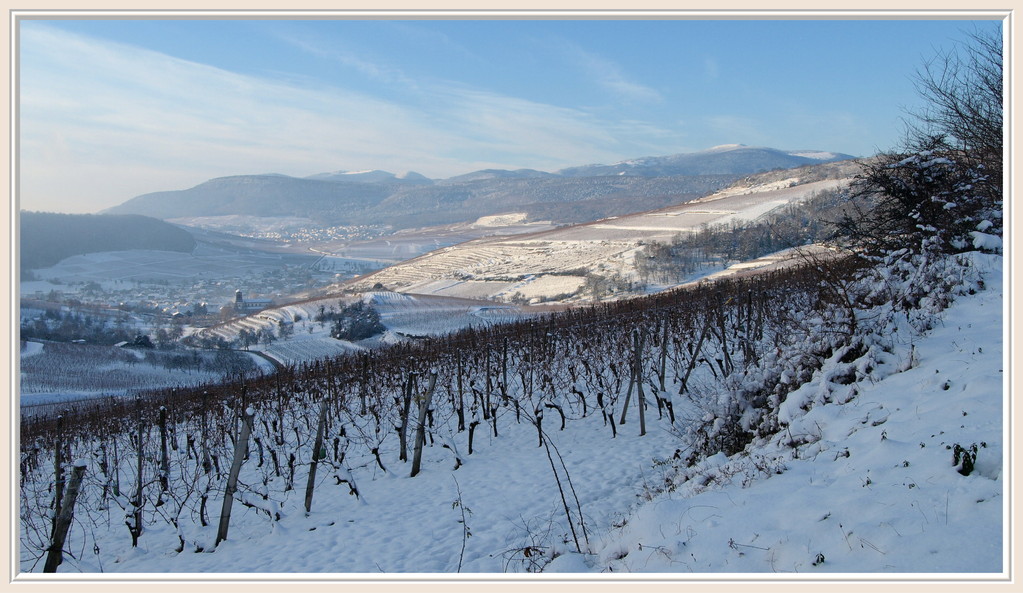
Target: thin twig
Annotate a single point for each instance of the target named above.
(465, 528)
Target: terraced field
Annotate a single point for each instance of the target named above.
(552, 265)
(403, 315)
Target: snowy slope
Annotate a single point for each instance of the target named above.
(859, 483)
(561, 257)
(874, 489)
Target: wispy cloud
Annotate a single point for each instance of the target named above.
(376, 69)
(103, 122)
(610, 75)
(431, 38)
(518, 130)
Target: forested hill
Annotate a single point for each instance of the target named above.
(578, 194)
(46, 237)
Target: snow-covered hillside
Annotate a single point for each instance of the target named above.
(403, 315)
(552, 266)
(860, 479)
(56, 375)
(869, 487)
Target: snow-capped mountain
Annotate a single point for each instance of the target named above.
(371, 176)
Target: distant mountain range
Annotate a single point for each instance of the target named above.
(570, 195)
(729, 159)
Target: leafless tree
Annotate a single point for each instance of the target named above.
(963, 91)
(945, 182)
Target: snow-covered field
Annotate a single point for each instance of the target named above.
(557, 260)
(404, 314)
(56, 373)
(861, 483)
(409, 243)
(307, 349)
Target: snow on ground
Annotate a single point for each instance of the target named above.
(779, 259)
(263, 364)
(31, 348)
(541, 287)
(407, 524)
(30, 288)
(403, 315)
(306, 348)
(482, 268)
(501, 219)
(870, 488)
(877, 490)
(53, 374)
(37, 403)
(406, 314)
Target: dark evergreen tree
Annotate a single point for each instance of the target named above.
(355, 322)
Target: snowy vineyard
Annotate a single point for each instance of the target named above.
(91, 370)
(296, 351)
(517, 434)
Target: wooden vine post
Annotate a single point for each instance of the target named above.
(637, 339)
(164, 455)
(424, 405)
(461, 401)
(135, 526)
(58, 474)
(318, 453)
(504, 379)
(232, 478)
(207, 463)
(728, 365)
(696, 356)
(486, 396)
(55, 554)
(403, 429)
(664, 354)
(363, 386)
(628, 393)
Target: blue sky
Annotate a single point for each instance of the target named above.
(110, 109)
